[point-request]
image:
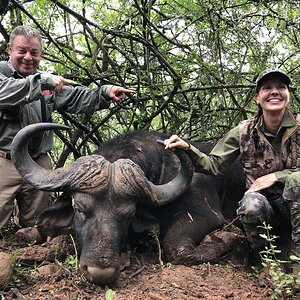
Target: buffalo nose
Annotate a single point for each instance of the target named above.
(100, 275)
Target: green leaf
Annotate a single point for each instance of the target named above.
(109, 295)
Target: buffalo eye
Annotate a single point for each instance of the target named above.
(80, 211)
(79, 214)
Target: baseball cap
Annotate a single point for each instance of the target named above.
(264, 74)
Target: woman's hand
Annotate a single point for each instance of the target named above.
(176, 142)
(263, 182)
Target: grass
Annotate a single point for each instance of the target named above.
(286, 285)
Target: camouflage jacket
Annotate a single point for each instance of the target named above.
(279, 157)
(259, 157)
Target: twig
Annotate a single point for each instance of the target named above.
(75, 249)
(229, 224)
(138, 271)
(157, 296)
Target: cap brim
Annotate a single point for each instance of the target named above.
(286, 78)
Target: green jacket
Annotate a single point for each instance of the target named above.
(31, 99)
(228, 149)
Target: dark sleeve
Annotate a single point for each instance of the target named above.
(15, 92)
(220, 158)
(81, 99)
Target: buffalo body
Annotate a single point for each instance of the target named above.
(131, 184)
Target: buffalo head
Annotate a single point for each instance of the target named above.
(104, 197)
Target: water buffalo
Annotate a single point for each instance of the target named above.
(131, 181)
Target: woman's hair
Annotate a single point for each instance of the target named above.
(26, 31)
(259, 112)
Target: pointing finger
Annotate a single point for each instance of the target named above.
(69, 81)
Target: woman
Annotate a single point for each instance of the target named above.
(269, 145)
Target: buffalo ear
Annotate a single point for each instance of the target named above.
(57, 219)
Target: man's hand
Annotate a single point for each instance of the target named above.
(263, 182)
(59, 82)
(118, 93)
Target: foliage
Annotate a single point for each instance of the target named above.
(71, 266)
(72, 262)
(154, 233)
(192, 63)
(20, 273)
(285, 284)
(109, 295)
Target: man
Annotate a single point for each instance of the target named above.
(29, 96)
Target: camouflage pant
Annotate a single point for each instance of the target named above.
(255, 209)
(291, 195)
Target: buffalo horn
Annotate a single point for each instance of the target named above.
(130, 179)
(165, 193)
(44, 179)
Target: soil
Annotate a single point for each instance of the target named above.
(142, 277)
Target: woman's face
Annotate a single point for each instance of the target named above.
(273, 94)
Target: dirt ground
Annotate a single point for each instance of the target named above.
(142, 278)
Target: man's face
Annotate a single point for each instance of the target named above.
(25, 54)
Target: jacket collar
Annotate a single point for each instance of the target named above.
(288, 121)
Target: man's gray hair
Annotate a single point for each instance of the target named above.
(26, 31)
